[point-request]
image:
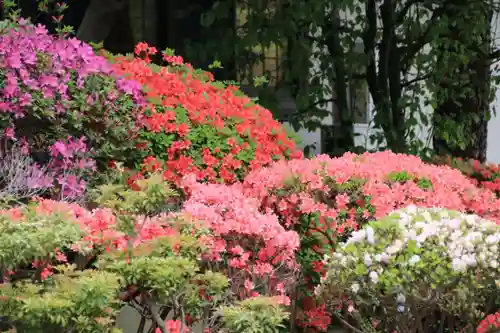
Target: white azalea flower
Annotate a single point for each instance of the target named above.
(374, 277)
(370, 235)
(459, 265)
(368, 259)
(414, 259)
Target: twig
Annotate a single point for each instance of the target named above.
(183, 319)
(347, 324)
(142, 324)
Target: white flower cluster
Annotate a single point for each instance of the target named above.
(468, 241)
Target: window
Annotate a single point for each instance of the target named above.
(268, 59)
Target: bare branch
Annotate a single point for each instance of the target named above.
(349, 326)
(413, 48)
(415, 80)
(20, 176)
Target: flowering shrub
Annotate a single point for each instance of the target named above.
(259, 251)
(195, 125)
(160, 264)
(324, 199)
(404, 268)
(486, 175)
(255, 315)
(490, 324)
(57, 99)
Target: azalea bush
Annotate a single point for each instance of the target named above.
(259, 251)
(487, 175)
(32, 296)
(325, 199)
(68, 269)
(62, 104)
(417, 270)
(206, 265)
(196, 125)
(490, 324)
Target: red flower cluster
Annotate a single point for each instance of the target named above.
(486, 175)
(195, 125)
(489, 324)
(316, 318)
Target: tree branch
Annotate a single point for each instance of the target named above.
(400, 16)
(412, 49)
(369, 36)
(157, 318)
(415, 80)
(494, 55)
(347, 324)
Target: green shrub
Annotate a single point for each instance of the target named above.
(132, 253)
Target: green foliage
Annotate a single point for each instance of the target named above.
(85, 304)
(403, 177)
(460, 81)
(256, 315)
(34, 235)
(150, 198)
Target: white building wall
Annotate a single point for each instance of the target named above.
(493, 152)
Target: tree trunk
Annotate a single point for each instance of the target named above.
(99, 19)
(343, 131)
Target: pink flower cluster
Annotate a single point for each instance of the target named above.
(489, 324)
(253, 241)
(52, 88)
(69, 163)
(174, 326)
(32, 62)
(353, 189)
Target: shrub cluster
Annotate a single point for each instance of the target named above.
(324, 199)
(414, 265)
(196, 125)
(243, 232)
(259, 251)
(62, 104)
(160, 264)
(486, 175)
